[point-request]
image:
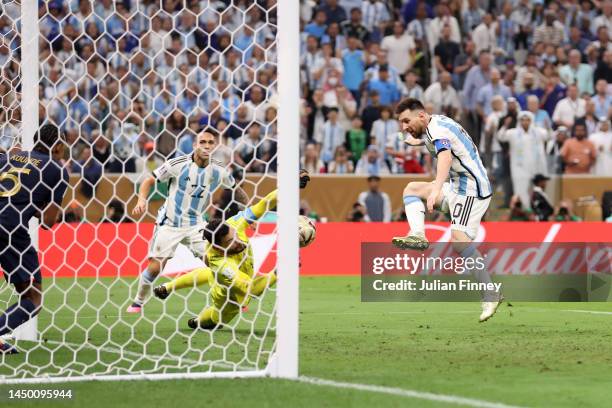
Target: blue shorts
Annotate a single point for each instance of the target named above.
(18, 258)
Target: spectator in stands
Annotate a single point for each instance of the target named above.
(446, 52)
(577, 73)
(602, 99)
(602, 140)
(398, 47)
(318, 26)
(604, 66)
(487, 92)
(553, 148)
(250, 152)
(518, 212)
(334, 38)
(529, 88)
(115, 212)
(578, 153)
(376, 203)
(489, 145)
(412, 89)
(477, 77)
(564, 212)
(257, 104)
(353, 61)
(506, 30)
(375, 18)
(443, 96)
(527, 157)
(569, 108)
(354, 28)
(551, 31)
(443, 17)
(74, 212)
(463, 63)
(371, 112)
(471, 17)
(328, 65)
(384, 129)
(386, 88)
(101, 148)
(590, 119)
(337, 96)
(334, 12)
(419, 27)
(332, 136)
(310, 160)
(341, 163)
(553, 93)
(358, 213)
(356, 140)
(310, 60)
(540, 116)
(484, 35)
(371, 162)
(540, 203)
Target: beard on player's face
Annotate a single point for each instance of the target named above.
(415, 126)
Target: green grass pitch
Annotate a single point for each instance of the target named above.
(530, 354)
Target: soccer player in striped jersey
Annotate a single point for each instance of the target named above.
(192, 181)
(467, 196)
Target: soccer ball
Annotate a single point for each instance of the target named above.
(307, 231)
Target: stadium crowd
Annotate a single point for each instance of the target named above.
(530, 81)
(132, 82)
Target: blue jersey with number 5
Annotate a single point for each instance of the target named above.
(29, 181)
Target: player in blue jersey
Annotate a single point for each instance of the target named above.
(467, 196)
(192, 180)
(32, 184)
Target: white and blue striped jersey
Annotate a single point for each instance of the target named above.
(468, 176)
(190, 188)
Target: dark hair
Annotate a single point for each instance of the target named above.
(212, 131)
(386, 108)
(579, 122)
(410, 104)
(215, 230)
(46, 137)
(383, 67)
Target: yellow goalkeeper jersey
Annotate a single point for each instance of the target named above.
(236, 270)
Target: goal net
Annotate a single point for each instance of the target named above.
(131, 85)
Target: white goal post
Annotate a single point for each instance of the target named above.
(114, 358)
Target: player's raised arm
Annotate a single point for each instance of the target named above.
(256, 211)
(411, 141)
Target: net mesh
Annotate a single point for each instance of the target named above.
(132, 84)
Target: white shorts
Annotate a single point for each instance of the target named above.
(166, 239)
(465, 211)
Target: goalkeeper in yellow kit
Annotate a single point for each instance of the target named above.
(230, 271)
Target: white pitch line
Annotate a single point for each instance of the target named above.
(401, 392)
(588, 311)
(382, 313)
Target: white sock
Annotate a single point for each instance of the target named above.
(144, 287)
(480, 272)
(415, 213)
